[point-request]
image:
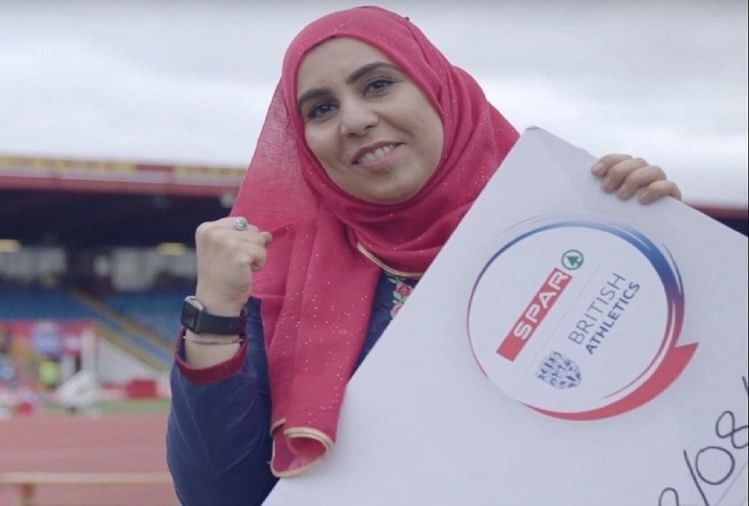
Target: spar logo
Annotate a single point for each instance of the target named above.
(578, 318)
(534, 314)
(540, 305)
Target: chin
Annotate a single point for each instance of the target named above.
(388, 198)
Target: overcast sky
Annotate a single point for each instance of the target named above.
(189, 82)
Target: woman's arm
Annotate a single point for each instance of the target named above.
(218, 444)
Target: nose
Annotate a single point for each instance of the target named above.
(357, 117)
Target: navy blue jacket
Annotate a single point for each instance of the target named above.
(218, 441)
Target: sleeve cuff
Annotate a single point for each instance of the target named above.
(213, 374)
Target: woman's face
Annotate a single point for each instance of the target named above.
(370, 127)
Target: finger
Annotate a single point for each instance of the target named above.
(639, 178)
(231, 222)
(251, 237)
(213, 229)
(257, 256)
(246, 255)
(254, 233)
(616, 174)
(603, 164)
(658, 189)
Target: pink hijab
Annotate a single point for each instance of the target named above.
(317, 287)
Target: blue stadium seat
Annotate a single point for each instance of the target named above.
(20, 303)
(158, 310)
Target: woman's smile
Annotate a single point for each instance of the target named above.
(377, 156)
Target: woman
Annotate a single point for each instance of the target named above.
(374, 148)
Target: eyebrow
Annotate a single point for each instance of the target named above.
(355, 76)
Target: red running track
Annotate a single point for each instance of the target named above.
(79, 443)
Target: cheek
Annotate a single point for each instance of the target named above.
(317, 145)
(427, 126)
(311, 140)
(434, 139)
(324, 151)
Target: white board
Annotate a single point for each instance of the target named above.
(422, 423)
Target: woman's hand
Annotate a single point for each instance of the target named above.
(626, 176)
(227, 255)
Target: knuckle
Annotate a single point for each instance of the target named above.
(672, 188)
(240, 258)
(660, 173)
(204, 230)
(258, 254)
(637, 178)
(257, 251)
(259, 239)
(619, 172)
(615, 157)
(200, 230)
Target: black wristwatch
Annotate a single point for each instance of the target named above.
(197, 319)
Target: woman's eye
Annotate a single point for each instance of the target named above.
(378, 85)
(319, 111)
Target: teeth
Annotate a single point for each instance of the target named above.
(378, 153)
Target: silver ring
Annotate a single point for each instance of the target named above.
(240, 224)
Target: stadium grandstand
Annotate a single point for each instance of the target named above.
(95, 259)
(110, 243)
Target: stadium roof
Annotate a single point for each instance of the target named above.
(85, 203)
(64, 174)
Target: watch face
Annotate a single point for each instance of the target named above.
(190, 310)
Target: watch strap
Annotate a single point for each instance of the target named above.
(200, 321)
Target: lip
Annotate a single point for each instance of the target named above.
(370, 148)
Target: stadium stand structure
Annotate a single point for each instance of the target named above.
(34, 303)
(151, 347)
(90, 215)
(41, 304)
(91, 209)
(157, 310)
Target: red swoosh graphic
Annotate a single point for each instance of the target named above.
(672, 366)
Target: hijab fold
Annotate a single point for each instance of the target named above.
(317, 289)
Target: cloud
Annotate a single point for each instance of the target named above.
(190, 82)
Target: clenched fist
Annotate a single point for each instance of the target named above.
(228, 251)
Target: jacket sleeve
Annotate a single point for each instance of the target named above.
(218, 442)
